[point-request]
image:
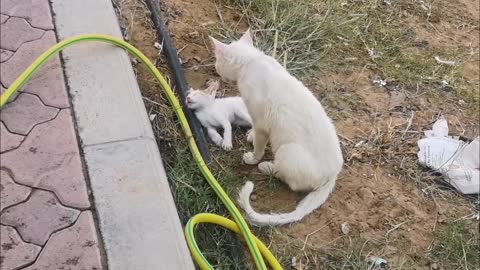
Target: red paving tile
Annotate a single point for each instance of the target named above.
(48, 83)
(3, 18)
(12, 98)
(49, 159)
(40, 216)
(10, 192)
(42, 226)
(27, 111)
(15, 253)
(9, 140)
(17, 31)
(5, 55)
(62, 252)
(36, 12)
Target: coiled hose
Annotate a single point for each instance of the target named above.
(257, 249)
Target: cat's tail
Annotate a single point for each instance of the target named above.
(307, 205)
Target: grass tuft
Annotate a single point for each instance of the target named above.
(193, 195)
(458, 246)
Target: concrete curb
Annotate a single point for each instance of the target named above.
(138, 220)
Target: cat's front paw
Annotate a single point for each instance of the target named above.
(227, 145)
(250, 136)
(249, 158)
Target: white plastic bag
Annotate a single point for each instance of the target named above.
(458, 161)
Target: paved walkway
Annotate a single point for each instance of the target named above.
(45, 213)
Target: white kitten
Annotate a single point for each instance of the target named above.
(307, 154)
(221, 112)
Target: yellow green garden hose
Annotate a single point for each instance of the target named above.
(257, 249)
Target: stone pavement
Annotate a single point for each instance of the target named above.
(46, 218)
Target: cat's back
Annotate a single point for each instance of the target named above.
(285, 91)
(289, 101)
(229, 105)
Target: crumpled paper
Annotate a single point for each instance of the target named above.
(458, 161)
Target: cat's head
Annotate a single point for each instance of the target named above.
(230, 57)
(197, 99)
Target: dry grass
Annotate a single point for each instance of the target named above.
(341, 35)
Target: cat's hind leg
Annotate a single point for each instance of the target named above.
(295, 167)
(242, 118)
(250, 136)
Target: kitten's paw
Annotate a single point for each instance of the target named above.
(250, 136)
(218, 142)
(267, 168)
(227, 145)
(249, 158)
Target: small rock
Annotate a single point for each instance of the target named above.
(253, 197)
(434, 266)
(196, 58)
(345, 228)
(366, 194)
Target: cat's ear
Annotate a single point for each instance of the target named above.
(220, 48)
(213, 87)
(247, 38)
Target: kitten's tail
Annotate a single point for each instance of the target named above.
(307, 205)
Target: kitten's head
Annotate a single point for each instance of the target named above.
(230, 57)
(197, 99)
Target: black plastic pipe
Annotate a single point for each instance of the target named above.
(181, 85)
(163, 36)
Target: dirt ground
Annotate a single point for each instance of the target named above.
(392, 206)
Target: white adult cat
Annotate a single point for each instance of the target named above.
(307, 154)
(221, 112)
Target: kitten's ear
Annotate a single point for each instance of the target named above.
(213, 87)
(247, 38)
(220, 48)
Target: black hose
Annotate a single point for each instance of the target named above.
(238, 254)
(170, 52)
